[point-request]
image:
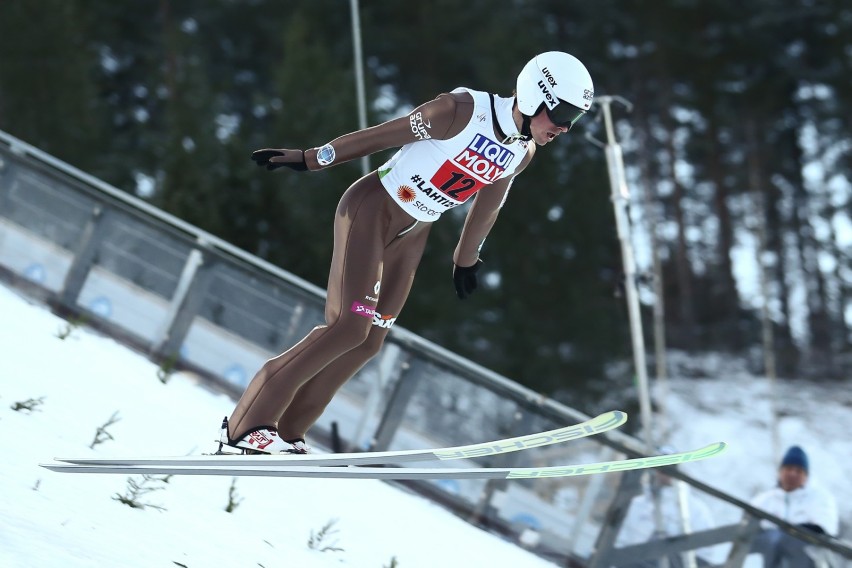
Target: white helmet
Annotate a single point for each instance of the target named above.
(559, 83)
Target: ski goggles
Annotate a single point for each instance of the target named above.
(564, 114)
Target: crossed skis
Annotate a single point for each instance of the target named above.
(339, 465)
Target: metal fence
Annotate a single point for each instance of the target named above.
(186, 297)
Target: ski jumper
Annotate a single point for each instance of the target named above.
(453, 148)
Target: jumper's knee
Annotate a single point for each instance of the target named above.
(372, 344)
(349, 332)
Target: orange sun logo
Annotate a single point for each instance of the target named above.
(405, 193)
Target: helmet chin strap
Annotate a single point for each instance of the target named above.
(525, 135)
(525, 128)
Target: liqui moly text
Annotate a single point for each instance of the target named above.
(485, 158)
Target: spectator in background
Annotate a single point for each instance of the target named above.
(799, 502)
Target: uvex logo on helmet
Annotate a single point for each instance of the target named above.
(548, 98)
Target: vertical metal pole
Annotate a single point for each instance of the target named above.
(690, 559)
(620, 196)
(768, 334)
(359, 76)
(755, 180)
(620, 201)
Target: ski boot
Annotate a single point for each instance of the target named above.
(261, 440)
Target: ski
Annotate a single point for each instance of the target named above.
(282, 469)
(597, 425)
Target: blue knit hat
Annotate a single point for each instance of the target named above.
(796, 456)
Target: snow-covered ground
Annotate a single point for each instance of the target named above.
(50, 520)
(82, 381)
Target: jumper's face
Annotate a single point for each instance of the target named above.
(543, 130)
(791, 477)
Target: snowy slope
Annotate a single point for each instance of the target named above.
(49, 519)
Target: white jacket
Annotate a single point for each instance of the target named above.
(810, 504)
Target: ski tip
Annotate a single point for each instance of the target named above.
(707, 451)
(607, 420)
(619, 414)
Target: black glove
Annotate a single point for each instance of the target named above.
(293, 159)
(464, 277)
(813, 527)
